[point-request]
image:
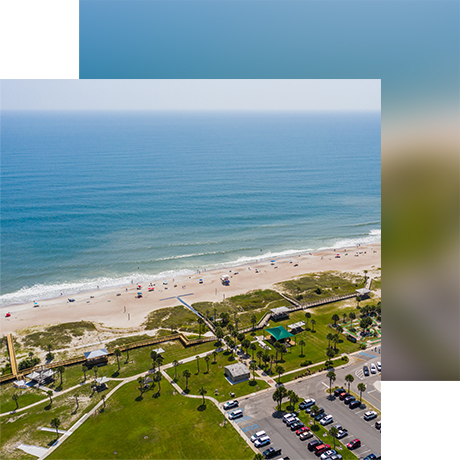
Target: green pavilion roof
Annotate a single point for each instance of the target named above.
(279, 333)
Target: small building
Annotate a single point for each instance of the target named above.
(363, 293)
(41, 376)
(296, 327)
(279, 334)
(237, 372)
(159, 351)
(280, 313)
(96, 357)
(101, 383)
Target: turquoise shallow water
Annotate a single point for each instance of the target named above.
(96, 198)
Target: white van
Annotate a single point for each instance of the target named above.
(258, 435)
(235, 414)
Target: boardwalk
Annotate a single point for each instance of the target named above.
(14, 366)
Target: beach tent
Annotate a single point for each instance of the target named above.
(279, 333)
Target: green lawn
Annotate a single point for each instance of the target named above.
(26, 397)
(167, 427)
(215, 379)
(22, 427)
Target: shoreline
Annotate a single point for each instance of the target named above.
(104, 306)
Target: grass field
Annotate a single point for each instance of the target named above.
(215, 379)
(23, 426)
(167, 427)
(26, 397)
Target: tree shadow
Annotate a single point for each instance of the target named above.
(115, 374)
(156, 395)
(139, 398)
(101, 410)
(186, 391)
(51, 443)
(253, 383)
(201, 407)
(48, 407)
(314, 427)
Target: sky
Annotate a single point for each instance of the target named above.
(260, 95)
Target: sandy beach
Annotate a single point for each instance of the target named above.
(127, 311)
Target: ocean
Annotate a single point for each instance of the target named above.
(101, 198)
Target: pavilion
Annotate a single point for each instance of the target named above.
(279, 334)
(280, 313)
(96, 357)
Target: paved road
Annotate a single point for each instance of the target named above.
(260, 413)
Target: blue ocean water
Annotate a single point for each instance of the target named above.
(100, 198)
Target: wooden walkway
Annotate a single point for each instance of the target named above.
(13, 363)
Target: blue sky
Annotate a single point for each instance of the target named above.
(259, 95)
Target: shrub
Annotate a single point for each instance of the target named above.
(306, 363)
(29, 362)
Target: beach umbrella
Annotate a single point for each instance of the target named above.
(139, 293)
(8, 315)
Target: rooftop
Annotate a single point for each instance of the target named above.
(96, 353)
(279, 333)
(279, 310)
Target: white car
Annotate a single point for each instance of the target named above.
(263, 441)
(235, 414)
(369, 415)
(326, 420)
(230, 404)
(287, 417)
(329, 453)
(258, 435)
(373, 369)
(379, 366)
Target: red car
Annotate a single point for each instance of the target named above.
(354, 444)
(302, 430)
(321, 448)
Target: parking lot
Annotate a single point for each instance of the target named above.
(260, 413)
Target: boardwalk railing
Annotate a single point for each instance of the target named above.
(81, 359)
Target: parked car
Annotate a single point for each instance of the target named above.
(349, 399)
(313, 444)
(321, 448)
(235, 414)
(271, 452)
(378, 425)
(336, 457)
(326, 420)
(371, 457)
(373, 369)
(286, 417)
(295, 426)
(230, 404)
(263, 441)
(319, 411)
(342, 433)
(343, 396)
(379, 366)
(329, 453)
(339, 391)
(339, 427)
(366, 371)
(306, 435)
(258, 435)
(291, 421)
(370, 414)
(307, 403)
(319, 417)
(354, 444)
(354, 404)
(301, 430)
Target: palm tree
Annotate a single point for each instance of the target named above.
(141, 384)
(207, 358)
(127, 354)
(186, 374)
(240, 337)
(314, 410)
(259, 354)
(349, 379)
(103, 400)
(15, 398)
(258, 456)
(279, 370)
(332, 377)
(361, 388)
(61, 370)
(76, 396)
(266, 359)
(154, 356)
(253, 321)
(335, 339)
(277, 349)
(352, 317)
(334, 432)
(56, 423)
(329, 338)
(202, 391)
(175, 364)
(345, 316)
(84, 368)
(272, 360)
(335, 318)
(95, 373)
(231, 345)
(313, 322)
(278, 396)
(215, 314)
(50, 395)
(330, 353)
(200, 323)
(246, 343)
(219, 333)
(236, 323)
(230, 328)
(198, 363)
(302, 344)
(253, 348)
(283, 350)
(253, 367)
(293, 398)
(160, 360)
(117, 353)
(214, 353)
(157, 378)
(308, 316)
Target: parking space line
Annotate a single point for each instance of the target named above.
(243, 419)
(249, 428)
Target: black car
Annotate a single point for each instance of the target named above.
(354, 404)
(339, 391)
(271, 452)
(319, 411)
(378, 425)
(349, 399)
(296, 426)
(313, 444)
(318, 417)
(366, 371)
